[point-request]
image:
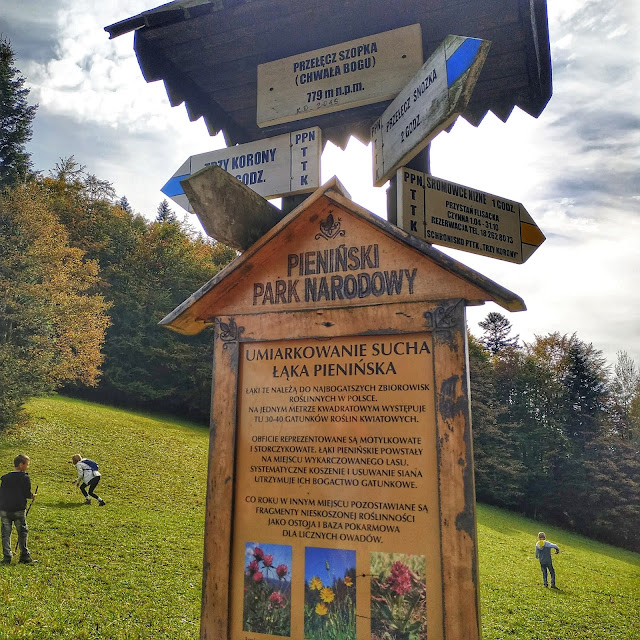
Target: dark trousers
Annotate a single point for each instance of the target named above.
(17, 518)
(552, 573)
(93, 483)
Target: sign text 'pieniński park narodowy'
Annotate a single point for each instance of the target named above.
(427, 105)
(452, 215)
(272, 167)
(341, 76)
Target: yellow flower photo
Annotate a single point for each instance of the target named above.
(329, 594)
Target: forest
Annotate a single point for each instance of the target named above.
(84, 281)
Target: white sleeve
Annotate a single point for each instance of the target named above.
(80, 471)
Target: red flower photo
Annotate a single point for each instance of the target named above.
(398, 597)
(267, 590)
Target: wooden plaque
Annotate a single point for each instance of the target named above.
(337, 77)
(452, 215)
(273, 167)
(427, 105)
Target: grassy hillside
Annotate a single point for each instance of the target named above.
(133, 568)
(598, 593)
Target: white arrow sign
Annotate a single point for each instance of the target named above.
(429, 104)
(272, 167)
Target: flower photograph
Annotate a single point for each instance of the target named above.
(329, 594)
(267, 589)
(398, 597)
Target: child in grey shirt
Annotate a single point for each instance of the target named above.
(543, 553)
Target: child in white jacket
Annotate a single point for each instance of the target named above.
(88, 477)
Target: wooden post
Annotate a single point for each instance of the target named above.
(289, 203)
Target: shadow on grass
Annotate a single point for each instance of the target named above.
(66, 505)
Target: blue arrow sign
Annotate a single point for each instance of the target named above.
(430, 103)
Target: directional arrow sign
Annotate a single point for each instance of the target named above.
(272, 167)
(452, 215)
(429, 104)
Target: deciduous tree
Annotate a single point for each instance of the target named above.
(52, 326)
(625, 397)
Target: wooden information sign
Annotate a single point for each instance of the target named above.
(337, 77)
(273, 167)
(340, 486)
(452, 215)
(427, 105)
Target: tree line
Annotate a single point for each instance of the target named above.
(556, 431)
(84, 281)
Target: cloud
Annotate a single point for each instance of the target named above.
(95, 80)
(33, 32)
(577, 170)
(94, 103)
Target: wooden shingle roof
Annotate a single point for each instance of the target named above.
(207, 53)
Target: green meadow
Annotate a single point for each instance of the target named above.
(132, 569)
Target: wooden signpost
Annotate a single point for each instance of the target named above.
(337, 77)
(340, 489)
(427, 105)
(273, 167)
(340, 468)
(452, 215)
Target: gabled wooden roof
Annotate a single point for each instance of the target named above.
(207, 53)
(233, 290)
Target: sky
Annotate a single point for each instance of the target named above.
(576, 168)
(328, 564)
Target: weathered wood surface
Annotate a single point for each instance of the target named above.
(208, 54)
(452, 215)
(228, 210)
(455, 459)
(452, 594)
(426, 304)
(429, 103)
(278, 166)
(214, 621)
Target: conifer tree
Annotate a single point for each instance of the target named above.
(165, 213)
(16, 117)
(496, 333)
(123, 203)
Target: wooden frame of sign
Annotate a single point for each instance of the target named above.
(341, 429)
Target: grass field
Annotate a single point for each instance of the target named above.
(133, 569)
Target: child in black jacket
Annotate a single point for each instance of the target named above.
(15, 490)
